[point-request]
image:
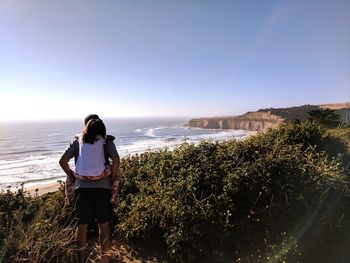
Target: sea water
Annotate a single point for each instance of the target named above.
(30, 151)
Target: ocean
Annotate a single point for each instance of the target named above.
(30, 151)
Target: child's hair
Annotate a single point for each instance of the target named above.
(93, 128)
(90, 117)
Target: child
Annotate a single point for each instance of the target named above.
(91, 162)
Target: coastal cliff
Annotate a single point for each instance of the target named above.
(253, 121)
(264, 118)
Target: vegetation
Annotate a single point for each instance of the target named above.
(343, 134)
(292, 113)
(35, 229)
(280, 196)
(330, 115)
(325, 117)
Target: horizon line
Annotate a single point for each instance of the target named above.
(104, 118)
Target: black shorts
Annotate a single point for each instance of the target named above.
(93, 204)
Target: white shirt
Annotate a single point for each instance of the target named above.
(91, 159)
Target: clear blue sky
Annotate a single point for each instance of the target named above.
(170, 58)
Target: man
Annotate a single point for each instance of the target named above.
(93, 197)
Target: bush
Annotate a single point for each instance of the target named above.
(206, 201)
(35, 228)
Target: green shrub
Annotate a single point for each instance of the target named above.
(16, 209)
(35, 228)
(205, 201)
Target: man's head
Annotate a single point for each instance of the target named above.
(91, 117)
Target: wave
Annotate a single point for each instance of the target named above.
(150, 133)
(170, 139)
(156, 143)
(224, 135)
(28, 151)
(54, 134)
(163, 127)
(29, 161)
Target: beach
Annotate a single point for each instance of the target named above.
(42, 188)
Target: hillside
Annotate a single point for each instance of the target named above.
(279, 196)
(267, 118)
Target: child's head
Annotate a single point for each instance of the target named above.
(93, 128)
(90, 117)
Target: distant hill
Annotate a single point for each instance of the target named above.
(301, 112)
(336, 106)
(267, 118)
(292, 113)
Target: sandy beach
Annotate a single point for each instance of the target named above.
(42, 188)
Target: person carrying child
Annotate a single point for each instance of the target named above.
(93, 182)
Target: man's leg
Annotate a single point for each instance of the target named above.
(81, 233)
(105, 240)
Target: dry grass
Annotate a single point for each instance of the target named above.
(335, 106)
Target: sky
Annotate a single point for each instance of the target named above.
(148, 58)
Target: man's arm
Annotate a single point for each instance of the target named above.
(113, 154)
(115, 168)
(115, 181)
(65, 166)
(67, 155)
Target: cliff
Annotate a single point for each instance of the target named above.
(264, 118)
(253, 121)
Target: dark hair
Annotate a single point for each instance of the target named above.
(90, 117)
(93, 128)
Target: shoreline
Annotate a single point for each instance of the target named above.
(42, 189)
(37, 189)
